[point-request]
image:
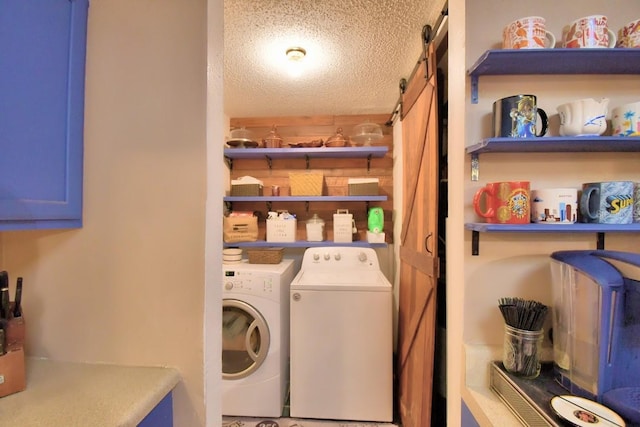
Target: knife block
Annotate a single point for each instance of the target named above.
(12, 363)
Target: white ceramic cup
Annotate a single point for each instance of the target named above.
(588, 32)
(583, 117)
(629, 35)
(554, 205)
(625, 120)
(527, 33)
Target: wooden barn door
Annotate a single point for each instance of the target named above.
(418, 245)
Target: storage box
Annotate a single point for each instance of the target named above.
(265, 255)
(306, 183)
(246, 190)
(343, 226)
(281, 230)
(363, 186)
(240, 229)
(246, 186)
(375, 237)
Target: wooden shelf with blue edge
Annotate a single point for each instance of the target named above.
(598, 229)
(553, 61)
(269, 154)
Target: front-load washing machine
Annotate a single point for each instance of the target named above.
(255, 338)
(341, 337)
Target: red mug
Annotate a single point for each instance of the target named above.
(504, 202)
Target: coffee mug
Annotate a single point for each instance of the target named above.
(636, 202)
(583, 117)
(527, 33)
(504, 202)
(629, 35)
(554, 205)
(515, 117)
(607, 202)
(625, 120)
(588, 32)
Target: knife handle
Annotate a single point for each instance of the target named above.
(17, 301)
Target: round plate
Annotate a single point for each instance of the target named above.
(582, 412)
(242, 143)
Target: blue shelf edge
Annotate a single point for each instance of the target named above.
(305, 198)
(557, 61)
(553, 61)
(302, 244)
(301, 153)
(552, 228)
(556, 144)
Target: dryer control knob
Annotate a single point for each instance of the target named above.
(327, 256)
(337, 257)
(228, 286)
(362, 257)
(316, 257)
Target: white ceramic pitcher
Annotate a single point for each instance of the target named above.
(583, 117)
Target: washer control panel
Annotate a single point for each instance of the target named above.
(325, 258)
(247, 281)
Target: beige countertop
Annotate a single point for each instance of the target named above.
(86, 394)
(484, 404)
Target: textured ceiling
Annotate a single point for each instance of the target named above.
(357, 52)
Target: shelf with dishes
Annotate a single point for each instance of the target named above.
(306, 199)
(552, 144)
(553, 61)
(598, 229)
(269, 154)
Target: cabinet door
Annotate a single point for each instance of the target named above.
(42, 60)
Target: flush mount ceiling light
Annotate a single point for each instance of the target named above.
(296, 53)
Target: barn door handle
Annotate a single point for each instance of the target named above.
(426, 243)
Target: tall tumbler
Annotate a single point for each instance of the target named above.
(521, 352)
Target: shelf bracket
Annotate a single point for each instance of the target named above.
(306, 159)
(228, 206)
(475, 243)
(475, 167)
(269, 162)
(306, 206)
(474, 88)
(600, 241)
(366, 207)
(269, 206)
(368, 163)
(229, 162)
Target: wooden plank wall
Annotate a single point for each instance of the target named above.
(336, 171)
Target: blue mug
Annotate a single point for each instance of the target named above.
(607, 202)
(516, 117)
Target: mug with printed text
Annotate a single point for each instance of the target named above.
(554, 205)
(504, 202)
(608, 202)
(629, 35)
(527, 33)
(588, 32)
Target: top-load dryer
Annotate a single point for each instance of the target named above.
(341, 337)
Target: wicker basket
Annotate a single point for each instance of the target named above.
(265, 255)
(306, 184)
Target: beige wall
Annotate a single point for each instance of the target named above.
(128, 287)
(516, 264)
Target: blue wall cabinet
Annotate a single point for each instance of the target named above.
(42, 69)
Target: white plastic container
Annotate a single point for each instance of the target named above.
(315, 229)
(343, 226)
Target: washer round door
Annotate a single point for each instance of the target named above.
(245, 339)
